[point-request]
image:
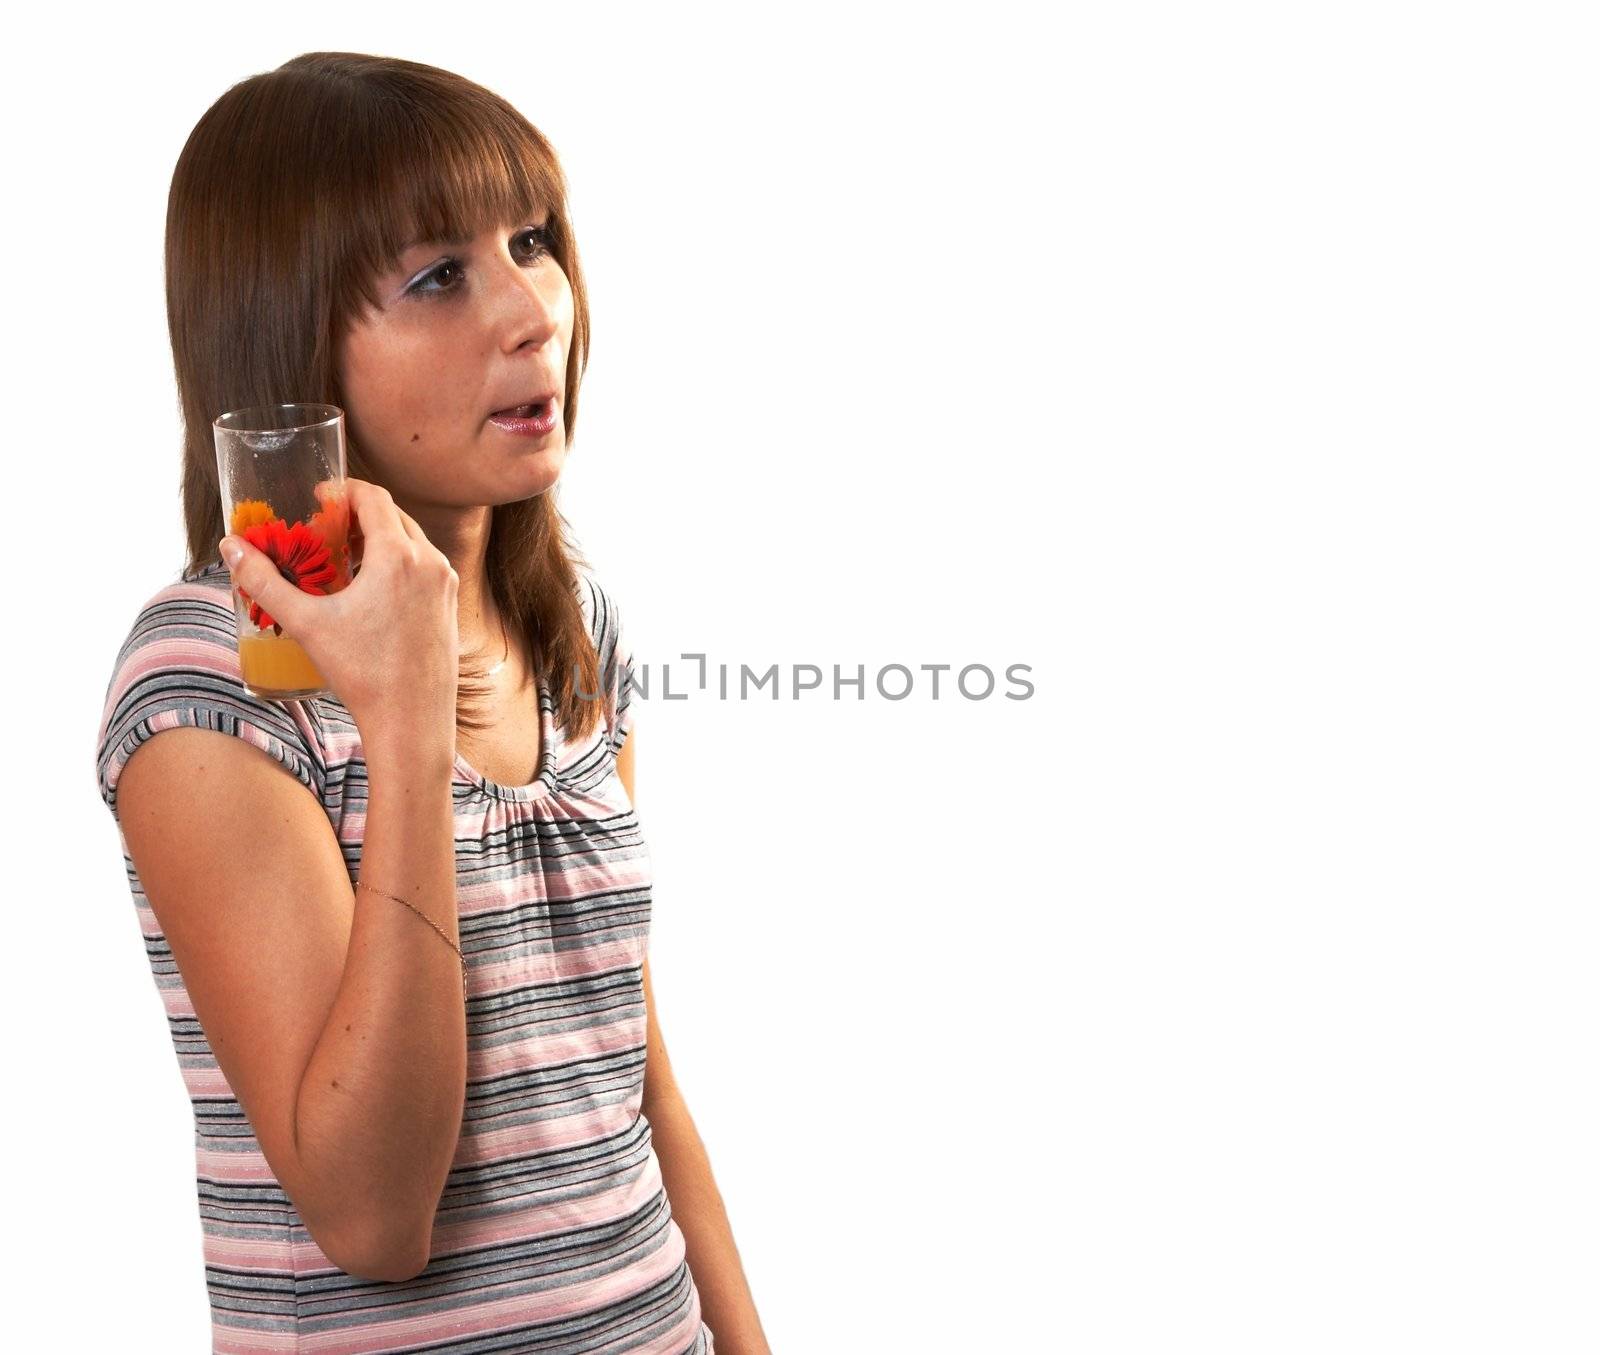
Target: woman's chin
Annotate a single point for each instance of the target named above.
(538, 471)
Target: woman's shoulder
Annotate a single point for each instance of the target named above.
(178, 664)
(603, 616)
(593, 595)
(193, 611)
(601, 613)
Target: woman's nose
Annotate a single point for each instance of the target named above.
(531, 306)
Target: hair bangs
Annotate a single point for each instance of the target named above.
(450, 172)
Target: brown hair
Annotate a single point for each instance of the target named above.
(295, 191)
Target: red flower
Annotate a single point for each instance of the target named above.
(301, 556)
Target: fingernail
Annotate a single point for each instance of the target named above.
(230, 551)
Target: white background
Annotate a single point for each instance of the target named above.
(1234, 367)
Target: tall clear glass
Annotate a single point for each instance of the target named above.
(281, 469)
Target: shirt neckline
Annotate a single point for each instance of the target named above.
(546, 783)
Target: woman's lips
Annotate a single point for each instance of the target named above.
(535, 420)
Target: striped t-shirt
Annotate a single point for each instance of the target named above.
(554, 1232)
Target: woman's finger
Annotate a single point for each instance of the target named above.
(272, 599)
(412, 529)
(376, 517)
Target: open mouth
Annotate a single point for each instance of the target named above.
(523, 411)
(535, 419)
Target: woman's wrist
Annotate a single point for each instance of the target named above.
(397, 748)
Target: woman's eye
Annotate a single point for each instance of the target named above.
(540, 237)
(438, 272)
(536, 243)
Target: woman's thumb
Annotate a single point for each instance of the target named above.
(272, 600)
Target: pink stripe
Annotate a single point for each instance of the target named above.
(547, 1305)
(233, 1341)
(555, 1216)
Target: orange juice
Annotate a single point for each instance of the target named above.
(276, 665)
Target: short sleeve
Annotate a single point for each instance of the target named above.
(617, 677)
(180, 666)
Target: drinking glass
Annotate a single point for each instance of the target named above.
(281, 471)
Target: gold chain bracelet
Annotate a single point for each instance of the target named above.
(429, 921)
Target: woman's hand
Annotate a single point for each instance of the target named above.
(388, 643)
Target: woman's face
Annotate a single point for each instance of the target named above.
(465, 329)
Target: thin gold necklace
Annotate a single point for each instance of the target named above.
(507, 654)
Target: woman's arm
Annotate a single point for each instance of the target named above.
(383, 1093)
(726, 1304)
(336, 1017)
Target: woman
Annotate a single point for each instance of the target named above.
(432, 1104)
